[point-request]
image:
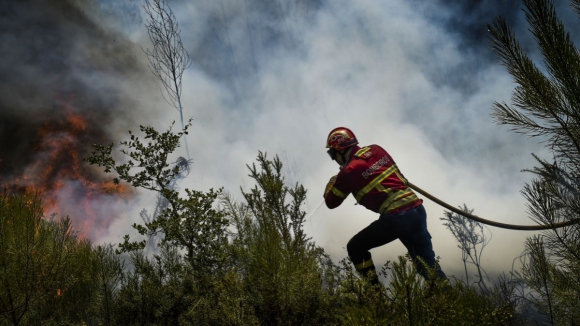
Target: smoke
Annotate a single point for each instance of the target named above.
(62, 91)
(417, 77)
(39, 76)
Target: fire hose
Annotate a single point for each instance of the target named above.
(493, 223)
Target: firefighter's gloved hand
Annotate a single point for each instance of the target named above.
(330, 184)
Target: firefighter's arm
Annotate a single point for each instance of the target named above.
(332, 195)
(330, 184)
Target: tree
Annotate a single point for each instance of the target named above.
(161, 204)
(108, 271)
(279, 264)
(168, 60)
(91, 294)
(155, 291)
(547, 104)
(192, 223)
(40, 260)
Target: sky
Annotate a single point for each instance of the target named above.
(415, 77)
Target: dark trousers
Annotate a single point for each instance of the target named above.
(409, 226)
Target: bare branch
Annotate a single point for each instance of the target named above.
(168, 59)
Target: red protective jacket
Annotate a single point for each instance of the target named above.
(374, 180)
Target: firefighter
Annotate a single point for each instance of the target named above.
(372, 177)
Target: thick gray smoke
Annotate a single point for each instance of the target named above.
(46, 58)
(417, 77)
(62, 90)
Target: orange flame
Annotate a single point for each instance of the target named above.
(64, 181)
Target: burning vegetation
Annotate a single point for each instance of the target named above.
(60, 96)
(66, 184)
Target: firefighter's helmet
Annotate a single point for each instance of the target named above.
(341, 138)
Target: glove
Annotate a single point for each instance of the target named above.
(330, 184)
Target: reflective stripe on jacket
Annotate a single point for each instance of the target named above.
(373, 178)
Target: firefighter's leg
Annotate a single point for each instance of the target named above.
(417, 240)
(376, 234)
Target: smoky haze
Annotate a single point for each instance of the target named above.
(61, 92)
(416, 77)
